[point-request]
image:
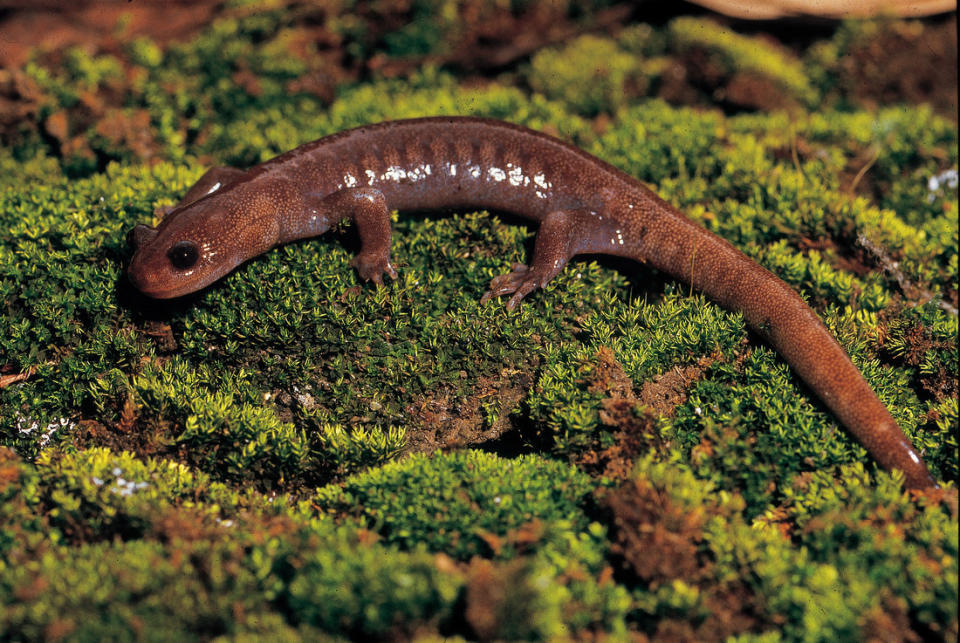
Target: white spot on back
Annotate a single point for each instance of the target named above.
(516, 176)
(394, 173)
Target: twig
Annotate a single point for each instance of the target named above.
(892, 268)
(863, 170)
(7, 380)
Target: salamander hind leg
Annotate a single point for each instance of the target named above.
(560, 237)
(368, 210)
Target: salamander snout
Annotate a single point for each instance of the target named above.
(162, 267)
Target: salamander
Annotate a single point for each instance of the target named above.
(581, 204)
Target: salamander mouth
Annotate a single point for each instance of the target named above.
(170, 293)
(158, 285)
(149, 287)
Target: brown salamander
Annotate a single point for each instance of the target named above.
(582, 205)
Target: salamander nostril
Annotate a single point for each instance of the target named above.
(183, 255)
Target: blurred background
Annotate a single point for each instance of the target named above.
(89, 80)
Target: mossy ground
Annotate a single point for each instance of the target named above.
(292, 454)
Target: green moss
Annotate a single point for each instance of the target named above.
(668, 147)
(827, 593)
(844, 526)
(228, 586)
(169, 453)
(643, 336)
(160, 547)
(363, 590)
(433, 29)
(470, 504)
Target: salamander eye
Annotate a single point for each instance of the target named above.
(183, 255)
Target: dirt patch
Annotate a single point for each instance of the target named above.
(846, 256)
(658, 540)
(889, 621)
(635, 418)
(609, 377)
(665, 392)
(127, 434)
(636, 434)
(451, 419)
(636, 427)
(748, 89)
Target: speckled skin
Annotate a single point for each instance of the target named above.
(582, 204)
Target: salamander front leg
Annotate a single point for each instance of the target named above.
(561, 236)
(368, 210)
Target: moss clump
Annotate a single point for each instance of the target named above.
(464, 504)
(236, 585)
(569, 396)
(285, 62)
(693, 60)
(733, 54)
(843, 526)
(125, 544)
(220, 73)
(590, 75)
(469, 504)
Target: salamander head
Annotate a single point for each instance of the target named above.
(199, 243)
